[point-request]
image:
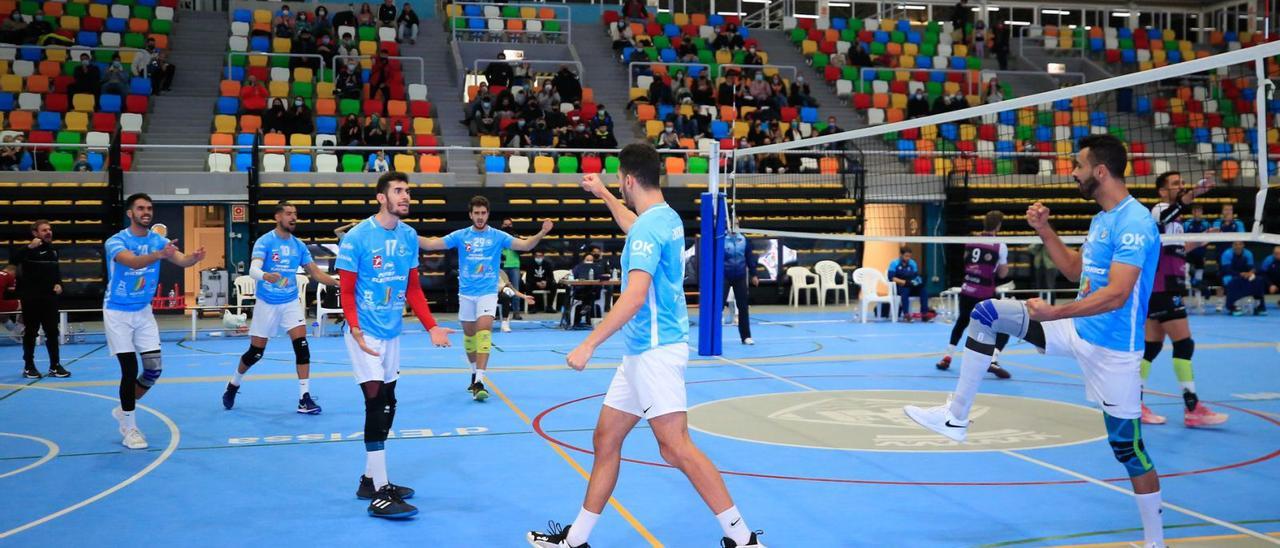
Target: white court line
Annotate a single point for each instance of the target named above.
(1059, 469)
(53, 452)
(174, 437)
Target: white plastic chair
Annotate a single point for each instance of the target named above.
(273, 163)
(131, 121)
(558, 276)
(326, 163)
(303, 281)
(803, 280)
(386, 34)
(219, 162)
(321, 311)
(831, 278)
(869, 281)
(518, 164)
(417, 92)
(245, 291)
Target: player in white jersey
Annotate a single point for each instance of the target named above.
(1101, 329)
(654, 320)
(133, 269)
(275, 259)
(479, 262)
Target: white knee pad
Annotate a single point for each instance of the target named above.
(994, 316)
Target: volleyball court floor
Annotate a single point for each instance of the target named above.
(806, 425)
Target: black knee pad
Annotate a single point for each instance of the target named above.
(389, 411)
(374, 412)
(252, 355)
(301, 351)
(1153, 348)
(1183, 349)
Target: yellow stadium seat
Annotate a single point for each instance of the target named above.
(404, 162)
(281, 45)
(224, 123)
(969, 132)
(101, 11)
(258, 60)
(324, 90)
(278, 89)
(303, 74)
(76, 121)
(82, 102)
(300, 140)
(262, 16)
(368, 48)
(544, 164)
(652, 128)
(423, 126)
(490, 141)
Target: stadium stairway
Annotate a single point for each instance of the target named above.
(606, 78)
(782, 52)
(181, 116)
(444, 90)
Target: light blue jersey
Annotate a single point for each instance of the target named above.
(282, 256)
(129, 289)
(382, 260)
(479, 258)
(655, 244)
(1126, 234)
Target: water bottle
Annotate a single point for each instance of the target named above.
(172, 301)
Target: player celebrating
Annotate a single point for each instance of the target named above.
(378, 270)
(479, 258)
(650, 383)
(275, 259)
(1166, 314)
(983, 265)
(133, 256)
(1116, 268)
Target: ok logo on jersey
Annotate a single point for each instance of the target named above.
(1130, 239)
(642, 248)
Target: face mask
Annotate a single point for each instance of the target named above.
(297, 102)
(537, 260)
(351, 67)
(485, 102)
(670, 128)
(520, 123)
(581, 127)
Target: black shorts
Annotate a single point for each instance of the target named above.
(1166, 307)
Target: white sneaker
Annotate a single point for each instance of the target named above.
(749, 341)
(119, 416)
(134, 440)
(506, 326)
(940, 420)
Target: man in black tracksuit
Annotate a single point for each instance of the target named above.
(39, 284)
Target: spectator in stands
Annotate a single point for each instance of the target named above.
(759, 90)
(1241, 280)
(905, 273)
(161, 71)
(602, 118)
(622, 37)
(539, 275)
(568, 85)
(300, 120)
(660, 93)
(14, 29)
(703, 95)
(469, 112)
(498, 73)
(958, 101)
(407, 24)
(483, 110)
(324, 47)
(487, 125)
(980, 37)
(729, 89)
(253, 96)
(88, 79)
(541, 136)
(635, 10)
(380, 77)
(1271, 269)
(603, 138)
(348, 47)
(365, 17)
(960, 19)
(993, 92)
(387, 13)
(117, 79)
(1229, 222)
(345, 18)
(142, 59)
(688, 51)
(303, 22)
(517, 135)
(772, 163)
(801, 95)
(9, 154)
(576, 136)
(548, 97)
(918, 105)
(778, 91)
(746, 162)
(348, 85)
(1000, 45)
(284, 24)
(82, 162)
(832, 127)
(686, 126)
(1028, 164)
(276, 120)
(858, 57)
(752, 58)
(398, 138)
(351, 134)
(668, 138)
(506, 106)
(321, 25)
(531, 111)
(728, 38)
(378, 163)
(305, 44)
(375, 131)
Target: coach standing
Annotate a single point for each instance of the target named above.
(39, 284)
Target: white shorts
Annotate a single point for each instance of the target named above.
(384, 367)
(268, 317)
(1111, 377)
(129, 332)
(471, 309)
(651, 384)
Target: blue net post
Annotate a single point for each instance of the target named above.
(715, 220)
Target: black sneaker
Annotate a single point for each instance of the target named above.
(307, 406)
(999, 372)
(555, 537)
(727, 542)
(387, 504)
(58, 372)
(229, 397)
(478, 392)
(366, 490)
(30, 372)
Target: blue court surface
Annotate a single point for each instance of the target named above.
(806, 426)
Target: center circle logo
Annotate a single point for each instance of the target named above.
(873, 420)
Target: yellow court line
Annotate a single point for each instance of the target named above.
(622, 510)
(1182, 540)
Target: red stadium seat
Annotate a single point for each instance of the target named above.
(104, 121)
(136, 104)
(56, 102)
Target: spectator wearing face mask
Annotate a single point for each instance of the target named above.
(398, 140)
(276, 119)
(746, 162)
(351, 134)
(305, 44)
(686, 126)
(408, 25)
(349, 85)
(300, 118)
(517, 135)
(375, 131)
(603, 138)
(117, 79)
(162, 72)
(380, 77)
(88, 79)
(142, 59)
(541, 136)
(752, 58)
(284, 24)
(759, 89)
(918, 105)
(484, 111)
(348, 47)
(602, 118)
(321, 25)
(539, 276)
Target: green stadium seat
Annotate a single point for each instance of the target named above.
(349, 106)
(352, 163)
(611, 164)
(698, 164)
(62, 161)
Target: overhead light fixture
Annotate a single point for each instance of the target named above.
(1121, 14)
(912, 7)
(1018, 23)
(803, 16)
(839, 5)
(1055, 12)
(738, 13)
(1204, 29)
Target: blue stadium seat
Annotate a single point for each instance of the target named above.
(87, 38)
(906, 149)
(473, 10)
(719, 129)
(1044, 134)
(139, 86)
(228, 105)
(924, 62)
(115, 24)
(300, 162)
(715, 20)
(809, 115)
(259, 43)
(839, 23)
(1079, 132)
(244, 139)
(1096, 44)
(31, 53)
(880, 36)
(1129, 56)
(49, 121)
(96, 161)
(327, 125)
(1143, 105)
(1201, 135)
(242, 16)
(495, 164)
(109, 103)
(950, 132)
(244, 161)
(1097, 118)
(6, 102)
(1008, 118)
(671, 30)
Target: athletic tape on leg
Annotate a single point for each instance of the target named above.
(1125, 437)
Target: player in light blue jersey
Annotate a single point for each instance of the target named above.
(654, 321)
(275, 260)
(133, 269)
(479, 261)
(378, 268)
(1102, 329)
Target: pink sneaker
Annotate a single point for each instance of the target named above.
(1201, 416)
(1149, 417)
